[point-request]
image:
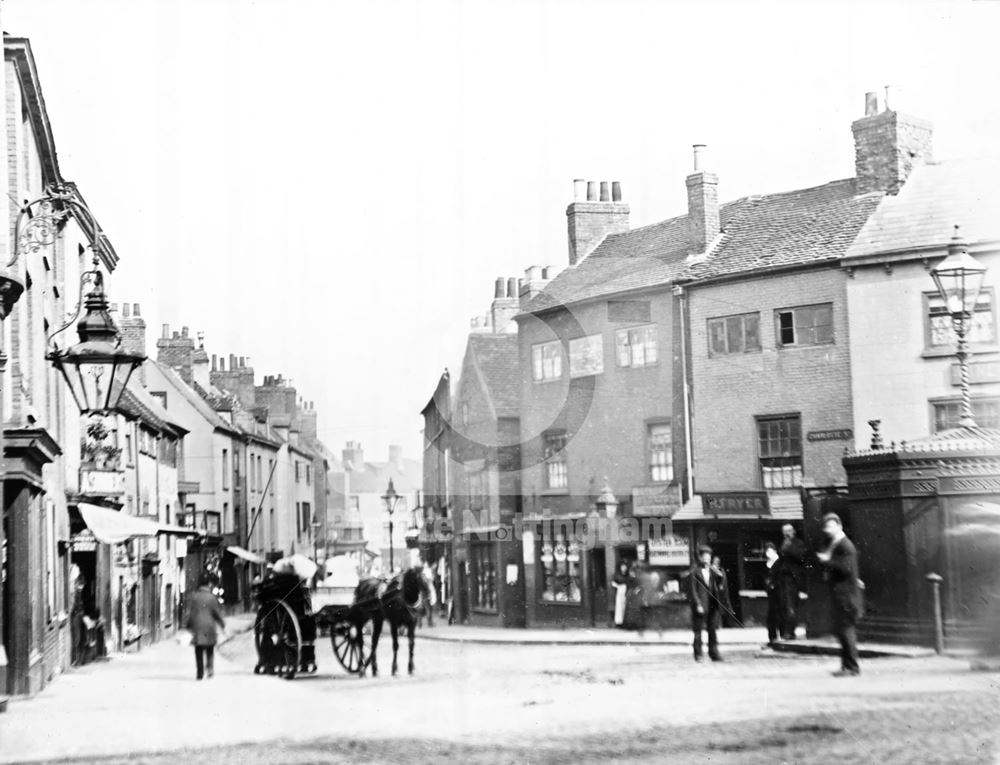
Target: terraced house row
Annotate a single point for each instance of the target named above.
(706, 372)
(111, 511)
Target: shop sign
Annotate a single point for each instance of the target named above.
(670, 551)
(657, 501)
(528, 547)
(736, 503)
(84, 541)
(845, 434)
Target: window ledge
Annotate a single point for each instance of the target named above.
(545, 380)
(571, 603)
(949, 353)
(803, 347)
(555, 492)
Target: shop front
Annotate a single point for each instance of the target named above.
(737, 526)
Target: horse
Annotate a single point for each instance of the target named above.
(397, 600)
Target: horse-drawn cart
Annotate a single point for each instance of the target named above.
(286, 626)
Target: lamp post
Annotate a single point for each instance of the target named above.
(390, 498)
(96, 369)
(607, 506)
(959, 278)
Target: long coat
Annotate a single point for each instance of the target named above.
(712, 597)
(842, 576)
(203, 614)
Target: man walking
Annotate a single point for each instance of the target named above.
(709, 593)
(840, 561)
(203, 615)
(791, 579)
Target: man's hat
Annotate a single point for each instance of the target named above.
(833, 517)
(704, 549)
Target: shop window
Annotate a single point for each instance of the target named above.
(804, 325)
(661, 459)
(636, 347)
(940, 328)
(556, 472)
(483, 567)
(560, 566)
(985, 411)
(546, 361)
(734, 334)
(780, 450)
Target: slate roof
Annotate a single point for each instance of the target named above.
(787, 229)
(138, 403)
(758, 232)
(194, 399)
(934, 199)
(495, 358)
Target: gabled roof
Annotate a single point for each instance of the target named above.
(935, 198)
(787, 229)
(792, 228)
(640, 258)
(138, 403)
(191, 396)
(495, 362)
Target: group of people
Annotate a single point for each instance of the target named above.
(709, 592)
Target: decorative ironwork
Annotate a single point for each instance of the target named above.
(42, 227)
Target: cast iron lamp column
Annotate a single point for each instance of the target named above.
(390, 498)
(959, 278)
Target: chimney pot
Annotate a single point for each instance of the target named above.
(605, 196)
(545, 272)
(512, 287)
(176, 335)
(871, 104)
(135, 309)
(579, 190)
(125, 309)
(222, 364)
(184, 331)
(591, 191)
(166, 331)
(616, 191)
(699, 156)
(885, 103)
(232, 362)
(243, 362)
(201, 339)
(215, 362)
(498, 288)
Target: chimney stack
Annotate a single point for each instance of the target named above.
(505, 306)
(703, 204)
(590, 221)
(133, 334)
(887, 146)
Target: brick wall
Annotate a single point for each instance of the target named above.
(886, 148)
(612, 409)
(589, 222)
(731, 390)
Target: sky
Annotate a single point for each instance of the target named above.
(331, 188)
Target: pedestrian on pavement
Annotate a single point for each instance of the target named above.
(204, 614)
(791, 579)
(427, 573)
(773, 588)
(622, 581)
(840, 561)
(709, 595)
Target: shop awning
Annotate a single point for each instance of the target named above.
(114, 527)
(239, 552)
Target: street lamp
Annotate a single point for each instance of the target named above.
(959, 278)
(607, 505)
(390, 498)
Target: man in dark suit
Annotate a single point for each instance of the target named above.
(204, 615)
(791, 579)
(709, 594)
(840, 561)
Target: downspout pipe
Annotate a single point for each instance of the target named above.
(681, 296)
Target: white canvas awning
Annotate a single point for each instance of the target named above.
(239, 552)
(112, 527)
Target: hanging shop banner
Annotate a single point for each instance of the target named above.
(670, 551)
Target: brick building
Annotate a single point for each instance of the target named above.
(485, 485)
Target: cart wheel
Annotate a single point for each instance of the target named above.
(351, 646)
(279, 639)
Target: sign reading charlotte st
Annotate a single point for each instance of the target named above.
(830, 435)
(736, 503)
